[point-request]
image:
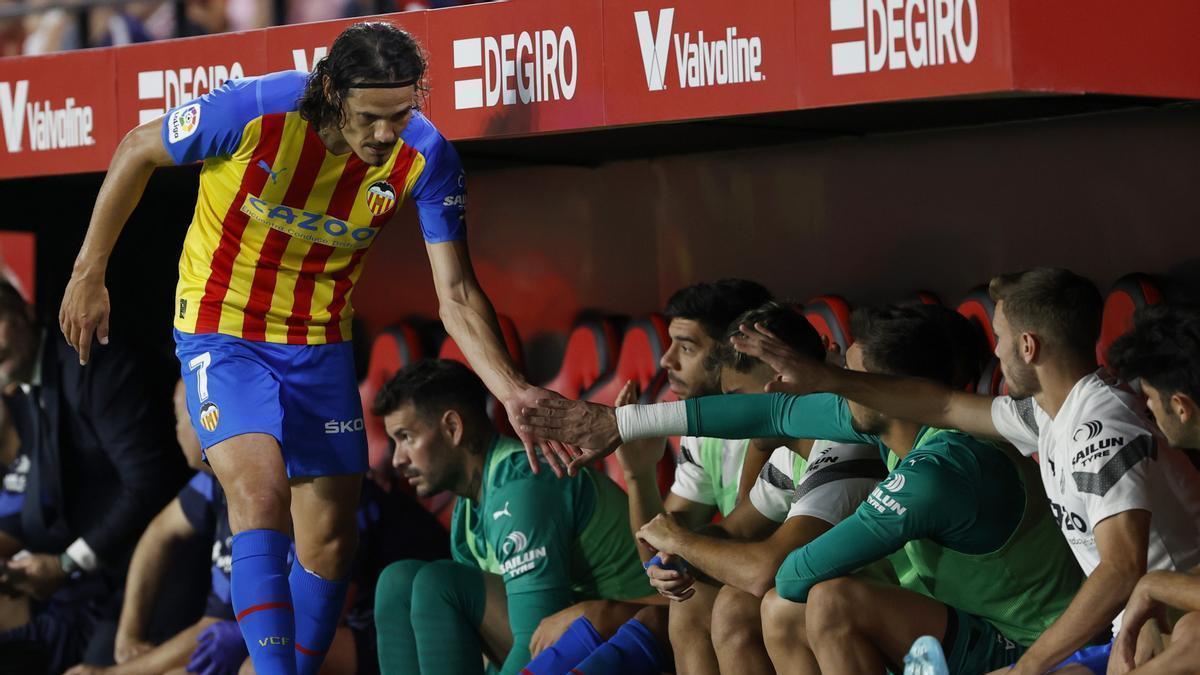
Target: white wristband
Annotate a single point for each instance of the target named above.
(635, 422)
(83, 555)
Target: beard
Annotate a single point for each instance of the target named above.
(1022, 380)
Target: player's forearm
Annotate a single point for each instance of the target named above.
(915, 399)
(471, 320)
(1175, 589)
(747, 566)
(645, 503)
(1098, 601)
(128, 173)
(168, 656)
(147, 569)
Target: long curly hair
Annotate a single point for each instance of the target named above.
(371, 51)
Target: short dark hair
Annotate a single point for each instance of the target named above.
(714, 304)
(785, 322)
(1163, 349)
(970, 352)
(905, 340)
(369, 51)
(434, 386)
(1053, 302)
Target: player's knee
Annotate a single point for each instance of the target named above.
(834, 604)
(330, 553)
(394, 589)
(442, 583)
(783, 621)
(690, 621)
(654, 618)
(254, 506)
(735, 619)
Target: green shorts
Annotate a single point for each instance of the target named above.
(973, 646)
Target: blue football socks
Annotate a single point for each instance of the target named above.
(263, 601)
(318, 609)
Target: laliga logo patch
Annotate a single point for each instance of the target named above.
(381, 197)
(183, 122)
(210, 416)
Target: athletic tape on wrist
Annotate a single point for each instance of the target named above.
(635, 422)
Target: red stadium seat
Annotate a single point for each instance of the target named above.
(924, 298)
(591, 354)
(979, 308)
(642, 347)
(991, 380)
(394, 348)
(1129, 294)
(830, 315)
(512, 341)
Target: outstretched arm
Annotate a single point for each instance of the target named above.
(910, 398)
(85, 307)
(471, 320)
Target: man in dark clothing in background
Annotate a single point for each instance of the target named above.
(96, 460)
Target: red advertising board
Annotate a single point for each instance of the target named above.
(1107, 46)
(301, 46)
(545, 66)
(58, 113)
(859, 51)
(516, 68)
(18, 260)
(156, 76)
(667, 59)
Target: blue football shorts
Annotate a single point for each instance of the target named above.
(1094, 658)
(305, 396)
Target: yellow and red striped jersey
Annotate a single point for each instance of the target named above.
(282, 225)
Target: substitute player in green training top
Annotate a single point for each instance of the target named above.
(525, 545)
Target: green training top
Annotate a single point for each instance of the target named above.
(553, 541)
(970, 515)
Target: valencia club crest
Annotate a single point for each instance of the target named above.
(381, 197)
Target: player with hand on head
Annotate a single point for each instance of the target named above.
(989, 572)
(1125, 501)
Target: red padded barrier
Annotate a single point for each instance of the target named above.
(1129, 294)
(394, 348)
(830, 316)
(591, 354)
